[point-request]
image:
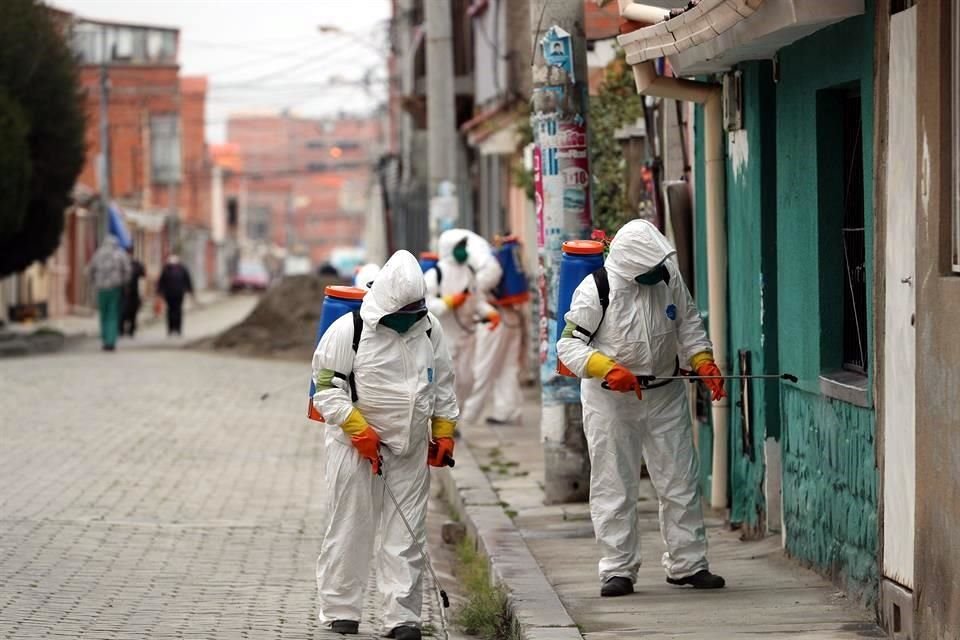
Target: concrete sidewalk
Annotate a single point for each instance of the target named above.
(86, 323)
(767, 594)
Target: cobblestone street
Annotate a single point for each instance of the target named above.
(150, 493)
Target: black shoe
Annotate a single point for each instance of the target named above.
(702, 579)
(346, 627)
(616, 586)
(499, 423)
(405, 632)
(109, 347)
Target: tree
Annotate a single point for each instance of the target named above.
(42, 122)
(615, 106)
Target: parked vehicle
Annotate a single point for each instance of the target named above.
(251, 276)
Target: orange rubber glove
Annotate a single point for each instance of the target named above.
(493, 320)
(455, 300)
(367, 444)
(621, 379)
(440, 449)
(710, 368)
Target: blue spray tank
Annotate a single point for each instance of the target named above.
(514, 287)
(428, 260)
(580, 258)
(337, 301)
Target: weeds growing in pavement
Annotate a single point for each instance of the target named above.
(485, 613)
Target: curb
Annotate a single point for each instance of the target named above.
(537, 610)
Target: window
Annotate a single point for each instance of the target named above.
(165, 148)
(854, 239)
(843, 268)
(955, 83)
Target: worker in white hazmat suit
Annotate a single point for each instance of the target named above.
(651, 327)
(454, 296)
(496, 368)
(391, 403)
(365, 275)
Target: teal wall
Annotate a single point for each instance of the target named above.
(752, 257)
(830, 488)
(829, 467)
(781, 225)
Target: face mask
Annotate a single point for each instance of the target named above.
(401, 322)
(658, 274)
(460, 253)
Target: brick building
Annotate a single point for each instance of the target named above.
(304, 182)
(159, 166)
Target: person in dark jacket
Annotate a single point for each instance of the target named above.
(131, 297)
(173, 285)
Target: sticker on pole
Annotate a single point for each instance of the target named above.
(558, 50)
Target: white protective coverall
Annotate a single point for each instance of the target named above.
(497, 352)
(365, 275)
(460, 324)
(402, 382)
(646, 329)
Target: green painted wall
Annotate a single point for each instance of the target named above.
(830, 488)
(829, 476)
(752, 258)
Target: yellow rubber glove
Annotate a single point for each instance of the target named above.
(354, 424)
(701, 359)
(442, 427)
(455, 300)
(599, 365)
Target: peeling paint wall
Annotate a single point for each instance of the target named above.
(829, 466)
(752, 259)
(830, 488)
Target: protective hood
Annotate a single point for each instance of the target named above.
(637, 248)
(448, 240)
(399, 283)
(365, 275)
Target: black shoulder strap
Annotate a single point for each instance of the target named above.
(357, 332)
(603, 292)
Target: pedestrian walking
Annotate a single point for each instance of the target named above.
(384, 384)
(131, 296)
(108, 270)
(174, 284)
(454, 296)
(649, 326)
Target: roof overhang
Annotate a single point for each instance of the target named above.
(714, 35)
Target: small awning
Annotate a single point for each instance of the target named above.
(714, 35)
(117, 227)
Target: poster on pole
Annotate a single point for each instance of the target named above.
(557, 46)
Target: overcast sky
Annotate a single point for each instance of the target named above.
(267, 54)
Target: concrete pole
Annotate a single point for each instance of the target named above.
(562, 175)
(405, 41)
(441, 113)
(104, 131)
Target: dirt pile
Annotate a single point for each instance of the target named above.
(282, 325)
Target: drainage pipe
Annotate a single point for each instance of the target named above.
(709, 95)
(642, 12)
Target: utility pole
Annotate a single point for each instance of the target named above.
(104, 128)
(441, 112)
(562, 178)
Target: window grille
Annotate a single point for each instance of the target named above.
(854, 240)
